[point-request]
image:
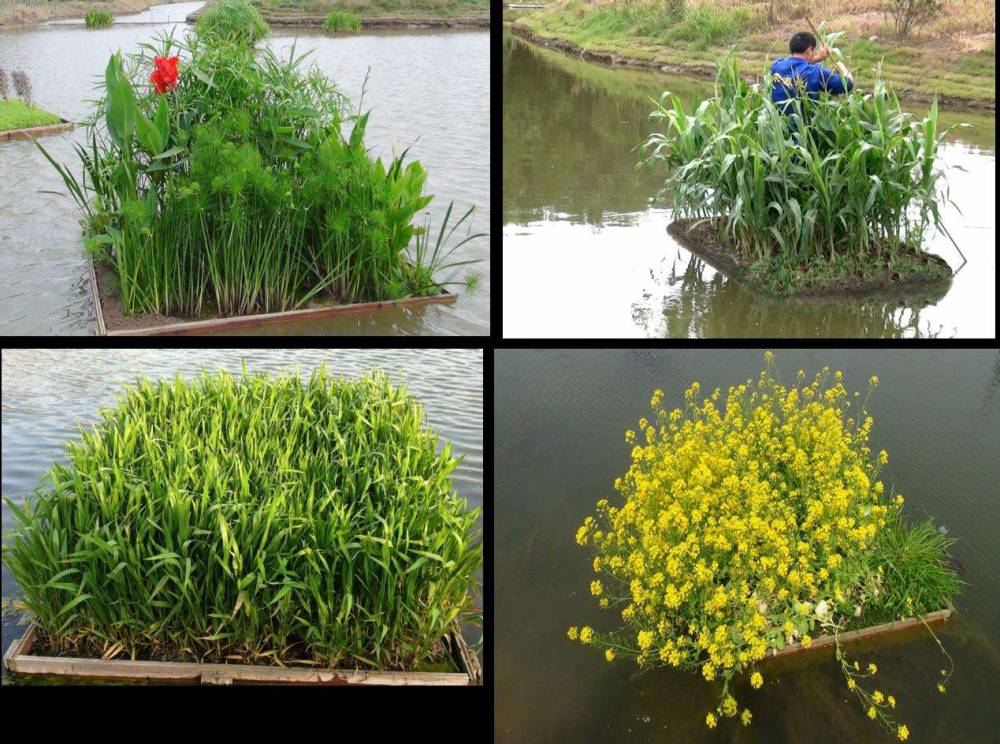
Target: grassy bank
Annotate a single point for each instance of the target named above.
(951, 56)
(16, 114)
(24, 14)
(376, 12)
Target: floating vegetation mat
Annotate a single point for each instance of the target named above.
(752, 520)
(254, 520)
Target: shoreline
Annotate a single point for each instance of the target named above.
(21, 16)
(612, 59)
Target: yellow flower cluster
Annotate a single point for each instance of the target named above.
(742, 523)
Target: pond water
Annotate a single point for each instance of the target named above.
(169, 13)
(427, 90)
(586, 251)
(559, 445)
(47, 394)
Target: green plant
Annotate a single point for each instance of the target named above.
(339, 21)
(240, 189)
(16, 114)
(97, 19)
(256, 519)
(845, 185)
(233, 20)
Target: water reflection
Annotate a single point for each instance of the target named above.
(582, 232)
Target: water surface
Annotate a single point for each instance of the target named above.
(559, 445)
(427, 91)
(47, 395)
(586, 251)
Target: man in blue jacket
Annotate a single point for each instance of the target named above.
(801, 72)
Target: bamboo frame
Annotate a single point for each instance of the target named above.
(19, 660)
(32, 132)
(825, 641)
(200, 327)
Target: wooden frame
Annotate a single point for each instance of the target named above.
(32, 132)
(826, 641)
(200, 327)
(20, 661)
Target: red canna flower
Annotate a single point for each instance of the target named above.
(164, 77)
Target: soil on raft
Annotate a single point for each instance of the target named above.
(701, 240)
(702, 71)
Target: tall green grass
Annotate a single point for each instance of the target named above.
(255, 519)
(97, 19)
(232, 20)
(340, 21)
(843, 185)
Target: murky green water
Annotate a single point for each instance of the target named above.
(560, 416)
(427, 91)
(586, 252)
(47, 394)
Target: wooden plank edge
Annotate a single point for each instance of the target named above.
(19, 647)
(825, 641)
(18, 660)
(252, 321)
(31, 132)
(95, 293)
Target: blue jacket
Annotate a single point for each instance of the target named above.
(813, 78)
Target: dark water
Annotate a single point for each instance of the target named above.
(560, 416)
(428, 91)
(586, 251)
(47, 394)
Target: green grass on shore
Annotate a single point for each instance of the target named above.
(371, 9)
(702, 35)
(16, 114)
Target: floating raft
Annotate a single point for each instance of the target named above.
(32, 132)
(20, 661)
(826, 641)
(238, 322)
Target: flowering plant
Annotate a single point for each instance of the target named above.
(745, 527)
(164, 76)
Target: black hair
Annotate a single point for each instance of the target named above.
(801, 41)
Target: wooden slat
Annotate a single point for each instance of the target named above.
(200, 327)
(32, 132)
(20, 662)
(96, 294)
(825, 641)
(470, 662)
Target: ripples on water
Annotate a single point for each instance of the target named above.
(427, 91)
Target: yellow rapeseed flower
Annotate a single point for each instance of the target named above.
(609, 654)
(872, 712)
(883, 457)
(756, 680)
(572, 633)
(878, 697)
(586, 634)
(851, 684)
(940, 688)
(874, 380)
(806, 641)
(645, 639)
(903, 732)
(710, 720)
(746, 716)
(892, 701)
(872, 669)
(596, 588)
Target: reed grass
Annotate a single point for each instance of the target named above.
(840, 186)
(232, 20)
(97, 19)
(252, 519)
(339, 21)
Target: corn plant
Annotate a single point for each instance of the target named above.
(843, 185)
(255, 520)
